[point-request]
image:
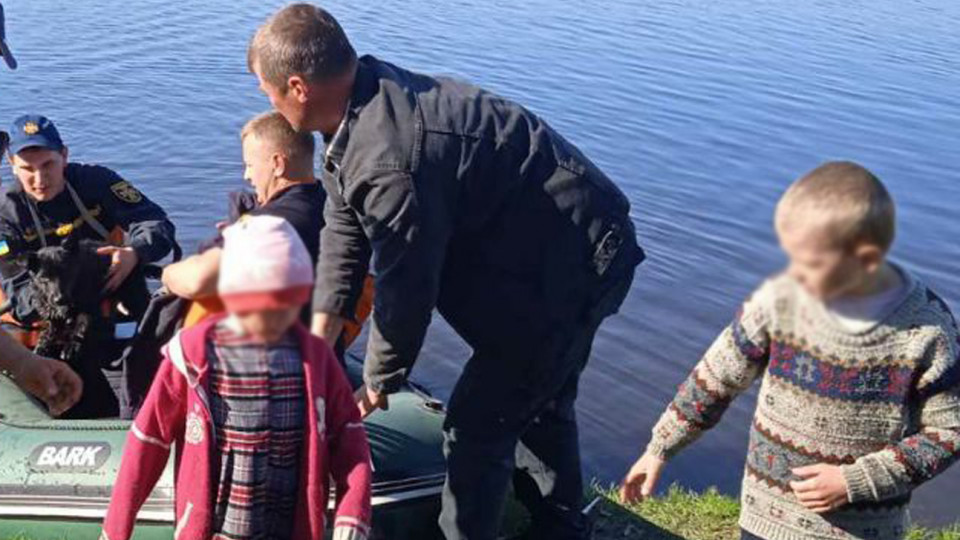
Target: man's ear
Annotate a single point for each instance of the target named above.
(298, 86)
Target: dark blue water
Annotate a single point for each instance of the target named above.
(702, 111)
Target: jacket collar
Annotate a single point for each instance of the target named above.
(365, 87)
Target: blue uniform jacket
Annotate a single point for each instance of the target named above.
(111, 200)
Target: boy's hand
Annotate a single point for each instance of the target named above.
(642, 479)
(822, 487)
(369, 401)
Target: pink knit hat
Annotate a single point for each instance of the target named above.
(264, 266)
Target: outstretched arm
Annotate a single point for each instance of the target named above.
(49, 380)
(194, 277)
(407, 230)
(731, 365)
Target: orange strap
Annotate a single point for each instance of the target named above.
(201, 309)
(352, 329)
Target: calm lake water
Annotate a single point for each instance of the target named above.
(702, 111)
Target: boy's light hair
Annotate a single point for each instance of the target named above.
(272, 129)
(846, 201)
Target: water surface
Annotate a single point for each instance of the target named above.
(702, 112)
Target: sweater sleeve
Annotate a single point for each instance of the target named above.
(901, 467)
(729, 367)
(350, 461)
(147, 449)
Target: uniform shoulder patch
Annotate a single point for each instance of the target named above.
(126, 192)
(4, 248)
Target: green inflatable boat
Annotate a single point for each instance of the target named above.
(56, 475)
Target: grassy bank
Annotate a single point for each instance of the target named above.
(683, 515)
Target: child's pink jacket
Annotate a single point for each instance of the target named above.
(176, 412)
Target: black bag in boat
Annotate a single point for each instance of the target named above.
(141, 358)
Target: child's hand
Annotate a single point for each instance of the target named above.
(822, 487)
(642, 479)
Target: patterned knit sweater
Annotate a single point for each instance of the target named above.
(884, 404)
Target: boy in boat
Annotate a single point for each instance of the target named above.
(260, 411)
(860, 362)
(278, 164)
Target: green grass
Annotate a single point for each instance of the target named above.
(920, 533)
(682, 514)
(677, 514)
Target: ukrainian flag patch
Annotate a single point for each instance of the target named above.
(4, 248)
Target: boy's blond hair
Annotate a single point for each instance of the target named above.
(274, 130)
(846, 201)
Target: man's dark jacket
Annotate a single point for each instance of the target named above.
(467, 202)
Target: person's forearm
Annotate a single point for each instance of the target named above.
(902, 467)
(327, 326)
(727, 369)
(194, 277)
(152, 240)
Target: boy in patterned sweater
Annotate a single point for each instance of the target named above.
(258, 411)
(860, 365)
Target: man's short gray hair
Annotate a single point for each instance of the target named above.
(300, 39)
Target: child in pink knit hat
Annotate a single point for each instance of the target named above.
(259, 410)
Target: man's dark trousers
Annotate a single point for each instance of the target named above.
(511, 415)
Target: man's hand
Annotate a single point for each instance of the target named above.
(122, 262)
(327, 326)
(369, 401)
(642, 479)
(822, 487)
(51, 381)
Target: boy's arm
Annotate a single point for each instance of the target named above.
(194, 277)
(900, 468)
(146, 451)
(350, 462)
(733, 362)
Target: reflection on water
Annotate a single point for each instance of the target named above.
(701, 111)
